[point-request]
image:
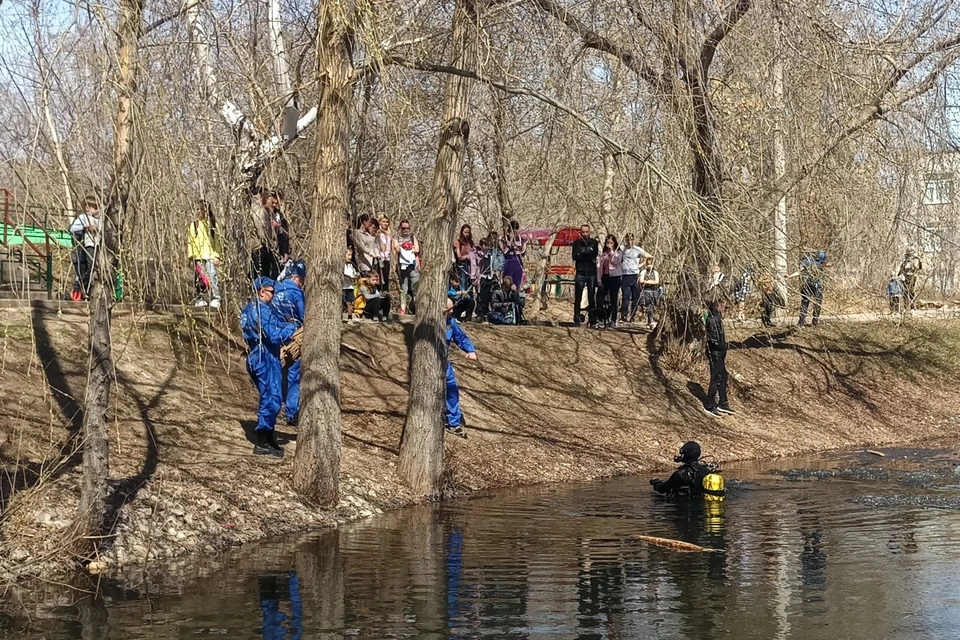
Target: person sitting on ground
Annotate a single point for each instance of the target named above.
(265, 332)
(507, 303)
(895, 291)
(350, 276)
(649, 279)
(717, 356)
(455, 333)
(290, 303)
(693, 478)
(376, 301)
(463, 302)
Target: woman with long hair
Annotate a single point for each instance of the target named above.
(462, 247)
(610, 269)
(513, 247)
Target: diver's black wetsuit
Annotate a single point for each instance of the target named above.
(687, 481)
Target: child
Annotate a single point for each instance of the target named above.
(349, 282)
(376, 303)
(895, 291)
(742, 291)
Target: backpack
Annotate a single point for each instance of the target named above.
(508, 317)
(812, 271)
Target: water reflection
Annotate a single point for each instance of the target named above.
(795, 560)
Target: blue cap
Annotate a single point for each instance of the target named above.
(262, 282)
(298, 268)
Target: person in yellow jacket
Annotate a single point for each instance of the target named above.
(203, 247)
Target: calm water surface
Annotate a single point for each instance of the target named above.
(872, 552)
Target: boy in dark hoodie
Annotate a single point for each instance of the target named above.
(717, 355)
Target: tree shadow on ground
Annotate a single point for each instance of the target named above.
(27, 474)
(249, 428)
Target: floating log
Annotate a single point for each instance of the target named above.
(676, 545)
(877, 453)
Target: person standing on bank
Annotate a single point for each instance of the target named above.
(909, 269)
(264, 332)
(456, 334)
(203, 245)
(290, 303)
(585, 253)
(513, 247)
(633, 257)
(811, 274)
(649, 289)
(611, 273)
(716, 403)
(407, 251)
(85, 230)
(274, 249)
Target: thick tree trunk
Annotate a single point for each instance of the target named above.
(96, 445)
(421, 446)
(316, 467)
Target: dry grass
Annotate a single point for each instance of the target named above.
(543, 404)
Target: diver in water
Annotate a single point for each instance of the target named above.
(694, 478)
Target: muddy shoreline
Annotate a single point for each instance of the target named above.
(595, 408)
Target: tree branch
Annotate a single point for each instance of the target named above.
(712, 41)
(156, 24)
(593, 40)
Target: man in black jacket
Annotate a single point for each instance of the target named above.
(585, 252)
(717, 355)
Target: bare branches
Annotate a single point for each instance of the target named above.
(593, 40)
(727, 23)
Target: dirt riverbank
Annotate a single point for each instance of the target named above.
(543, 404)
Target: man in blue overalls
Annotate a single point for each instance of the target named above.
(265, 332)
(456, 334)
(290, 304)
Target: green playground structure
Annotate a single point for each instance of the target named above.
(36, 243)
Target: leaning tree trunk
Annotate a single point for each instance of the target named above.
(316, 467)
(421, 445)
(96, 445)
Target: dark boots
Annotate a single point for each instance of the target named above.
(267, 444)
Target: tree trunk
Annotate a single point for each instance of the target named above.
(780, 166)
(606, 199)
(500, 157)
(421, 445)
(96, 444)
(316, 467)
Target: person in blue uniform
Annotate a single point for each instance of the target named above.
(290, 304)
(265, 332)
(456, 334)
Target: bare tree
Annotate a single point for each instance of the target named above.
(316, 470)
(421, 445)
(96, 444)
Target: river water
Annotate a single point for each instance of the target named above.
(848, 547)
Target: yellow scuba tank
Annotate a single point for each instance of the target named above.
(713, 487)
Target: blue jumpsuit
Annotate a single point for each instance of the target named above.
(455, 334)
(264, 332)
(290, 303)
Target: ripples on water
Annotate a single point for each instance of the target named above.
(802, 557)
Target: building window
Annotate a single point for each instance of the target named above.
(939, 189)
(932, 239)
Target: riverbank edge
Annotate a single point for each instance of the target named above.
(174, 519)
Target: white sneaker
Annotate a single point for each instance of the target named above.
(200, 303)
(215, 303)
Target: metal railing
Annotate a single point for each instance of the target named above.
(18, 221)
